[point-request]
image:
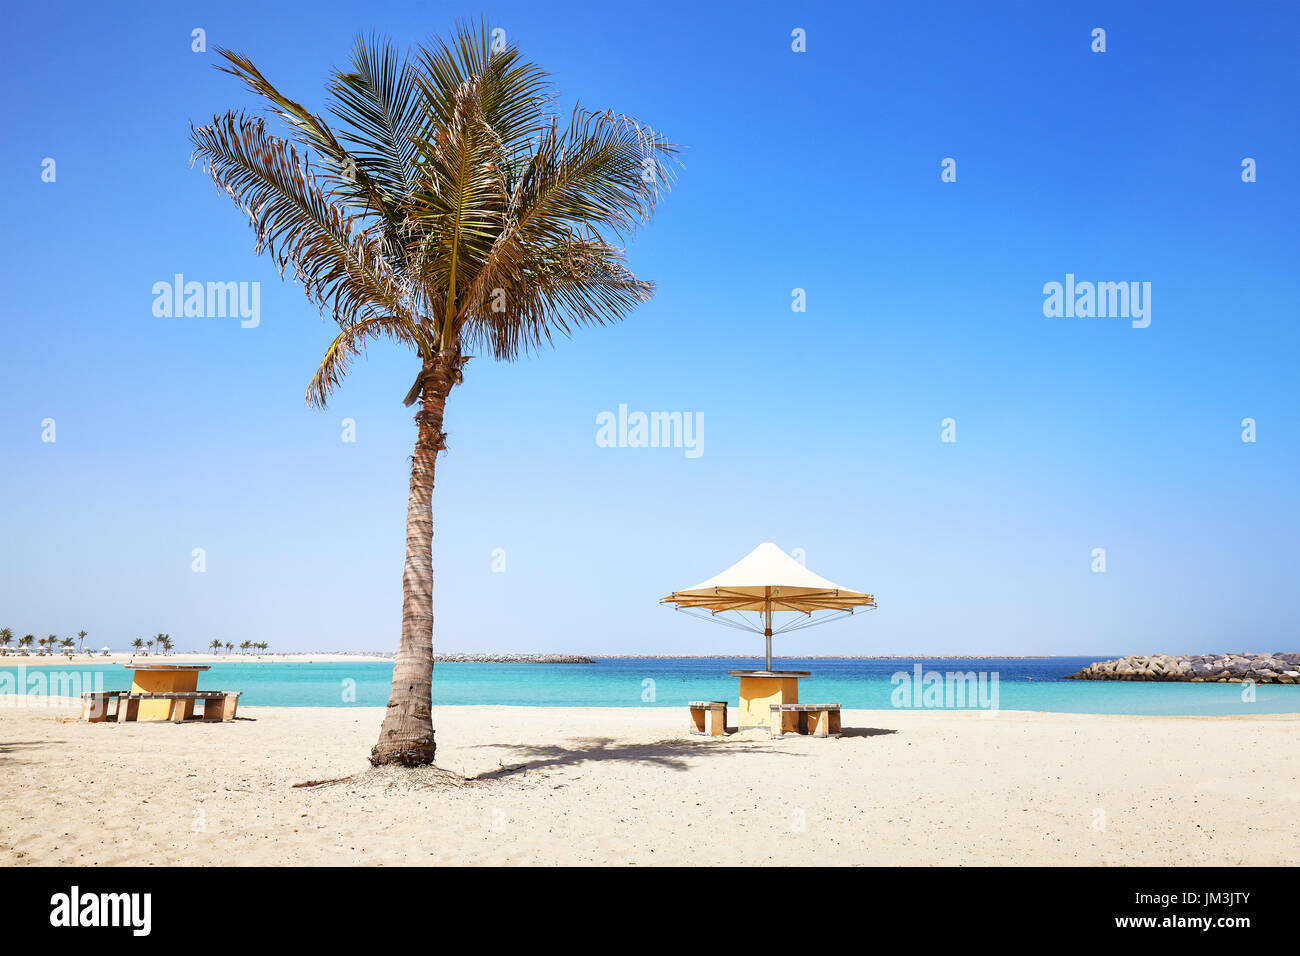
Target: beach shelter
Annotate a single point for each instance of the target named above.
(765, 582)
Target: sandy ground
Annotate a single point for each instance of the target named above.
(630, 786)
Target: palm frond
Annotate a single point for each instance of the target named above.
(346, 175)
(603, 172)
(550, 290)
(603, 169)
(513, 93)
(350, 343)
(455, 210)
(382, 114)
(342, 269)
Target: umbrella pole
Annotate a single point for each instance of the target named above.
(767, 629)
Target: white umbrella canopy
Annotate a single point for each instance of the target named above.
(768, 580)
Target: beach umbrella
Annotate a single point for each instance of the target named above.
(764, 582)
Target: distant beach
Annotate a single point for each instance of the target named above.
(295, 657)
(13, 659)
(451, 657)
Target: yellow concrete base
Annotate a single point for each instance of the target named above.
(163, 682)
(758, 694)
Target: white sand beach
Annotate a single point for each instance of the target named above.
(630, 786)
(13, 659)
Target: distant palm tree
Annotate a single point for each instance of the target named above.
(68, 643)
(138, 643)
(6, 638)
(50, 641)
(81, 637)
(229, 647)
(165, 642)
(215, 645)
(26, 641)
(451, 212)
(245, 646)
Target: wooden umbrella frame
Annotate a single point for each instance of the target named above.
(720, 600)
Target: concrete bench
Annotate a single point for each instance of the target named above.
(717, 711)
(94, 705)
(817, 720)
(217, 704)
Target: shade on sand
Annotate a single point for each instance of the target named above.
(768, 580)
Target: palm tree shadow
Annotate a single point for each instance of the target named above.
(866, 731)
(669, 754)
(11, 746)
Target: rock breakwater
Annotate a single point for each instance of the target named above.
(1206, 668)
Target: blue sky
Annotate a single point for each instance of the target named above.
(822, 429)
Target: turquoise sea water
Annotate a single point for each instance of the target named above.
(1023, 684)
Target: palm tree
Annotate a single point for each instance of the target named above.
(164, 641)
(81, 639)
(451, 212)
(6, 638)
(67, 644)
(26, 641)
(215, 645)
(244, 646)
(138, 643)
(229, 647)
(49, 642)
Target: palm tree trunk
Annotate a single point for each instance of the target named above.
(406, 736)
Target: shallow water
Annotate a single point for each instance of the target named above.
(1034, 684)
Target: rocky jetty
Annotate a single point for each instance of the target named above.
(1204, 668)
(512, 659)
